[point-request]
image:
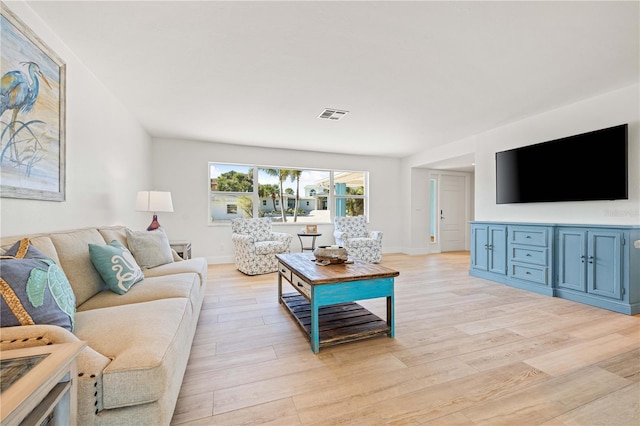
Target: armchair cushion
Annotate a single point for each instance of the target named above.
(259, 229)
(353, 226)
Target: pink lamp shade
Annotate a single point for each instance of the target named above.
(154, 201)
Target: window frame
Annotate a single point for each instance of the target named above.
(255, 199)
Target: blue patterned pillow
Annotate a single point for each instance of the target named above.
(34, 289)
(116, 266)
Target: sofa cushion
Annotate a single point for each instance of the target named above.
(34, 289)
(74, 257)
(161, 287)
(150, 248)
(116, 266)
(143, 356)
(110, 233)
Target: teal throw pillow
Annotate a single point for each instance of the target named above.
(34, 289)
(116, 266)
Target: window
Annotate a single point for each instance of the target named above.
(285, 195)
(349, 193)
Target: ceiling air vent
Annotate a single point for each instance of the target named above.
(333, 114)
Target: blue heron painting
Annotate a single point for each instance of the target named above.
(31, 114)
(18, 92)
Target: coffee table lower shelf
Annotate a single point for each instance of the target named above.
(339, 323)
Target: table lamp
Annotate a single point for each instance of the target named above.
(154, 201)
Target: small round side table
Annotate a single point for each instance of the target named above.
(313, 241)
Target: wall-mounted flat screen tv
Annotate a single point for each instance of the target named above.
(585, 167)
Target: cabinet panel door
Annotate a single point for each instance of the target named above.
(604, 263)
(479, 242)
(572, 247)
(498, 249)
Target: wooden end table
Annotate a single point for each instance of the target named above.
(39, 383)
(324, 306)
(183, 248)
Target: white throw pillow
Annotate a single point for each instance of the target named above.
(149, 248)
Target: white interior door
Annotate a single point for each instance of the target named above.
(452, 216)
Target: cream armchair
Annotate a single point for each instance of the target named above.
(255, 245)
(352, 234)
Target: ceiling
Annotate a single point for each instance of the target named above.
(413, 75)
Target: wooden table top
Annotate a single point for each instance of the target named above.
(302, 264)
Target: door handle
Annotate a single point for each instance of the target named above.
(590, 259)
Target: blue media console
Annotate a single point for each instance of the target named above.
(598, 265)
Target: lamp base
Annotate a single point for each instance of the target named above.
(154, 223)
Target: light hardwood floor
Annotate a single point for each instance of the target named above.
(467, 351)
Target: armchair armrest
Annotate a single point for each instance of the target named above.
(341, 235)
(376, 235)
(282, 237)
(246, 242)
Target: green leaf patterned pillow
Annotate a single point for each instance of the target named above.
(116, 266)
(34, 289)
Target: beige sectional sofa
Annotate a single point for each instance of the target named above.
(138, 343)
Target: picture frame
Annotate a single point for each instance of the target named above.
(33, 119)
(311, 229)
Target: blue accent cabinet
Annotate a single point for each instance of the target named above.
(598, 265)
(592, 266)
(489, 253)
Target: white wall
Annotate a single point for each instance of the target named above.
(613, 108)
(107, 155)
(181, 166)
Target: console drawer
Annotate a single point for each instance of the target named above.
(529, 236)
(536, 256)
(530, 273)
(284, 271)
(300, 285)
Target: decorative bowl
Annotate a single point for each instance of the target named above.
(330, 254)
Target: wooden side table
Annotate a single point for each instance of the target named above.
(39, 385)
(182, 247)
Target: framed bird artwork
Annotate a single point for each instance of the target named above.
(32, 114)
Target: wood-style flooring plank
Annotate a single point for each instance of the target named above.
(467, 351)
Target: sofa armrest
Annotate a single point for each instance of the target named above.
(26, 336)
(196, 264)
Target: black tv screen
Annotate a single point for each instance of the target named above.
(584, 167)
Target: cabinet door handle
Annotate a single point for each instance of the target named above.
(590, 259)
(528, 236)
(528, 254)
(582, 259)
